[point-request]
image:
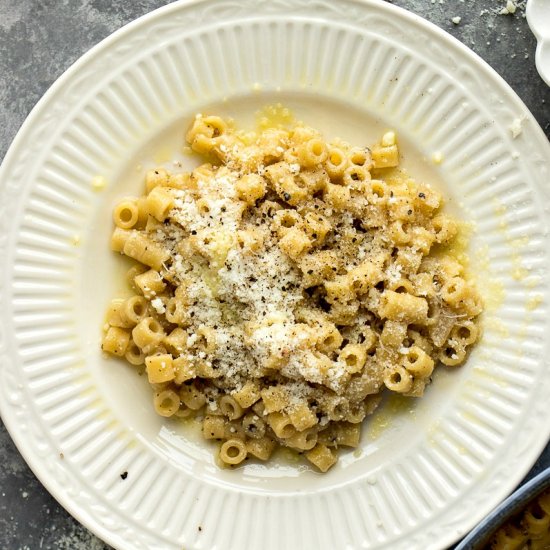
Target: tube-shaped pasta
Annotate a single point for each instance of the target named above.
(347, 434)
(158, 176)
(385, 157)
(208, 126)
(206, 339)
(213, 427)
(234, 430)
(399, 232)
(133, 272)
(303, 441)
(337, 196)
(403, 307)
(126, 214)
(250, 188)
(378, 192)
(281, 425)
(338, 434)
(312, 152)
(295, 243)
(159, 368)
(167, 402)
(398, 380)
(360, 156)
(183, 370)
(134, 309)
(418, 362)
(444, 228)
(453, 353)
(354, 176)
(150, 283)
(365, 276)
(134, 355)
(159, 203)
(336, 163)
(353, 356)
(336, 407)
(116, 341)
(141, 248)
(260, 448)
(465, 332)
(302, 417)
(316, 227)
(230, 407)
(142, 213)
(233, 451)
(286, 219)
(119, 238)
(509, 537)
(152, 225)
(114, 314)
(175, 311)
(328, 337)
(393, 333)
(192, 397)
(274, 398)
(148, 333)
(455, 291)
(247, 395)
(176, 341)
(536, 520)
(321, 457)
(253, 426)
(340, 290)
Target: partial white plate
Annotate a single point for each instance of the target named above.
(538, 17)
(427, 470)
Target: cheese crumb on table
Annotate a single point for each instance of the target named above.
(510, 8)
(516, 127)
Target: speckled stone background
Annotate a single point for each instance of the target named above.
(39, 39)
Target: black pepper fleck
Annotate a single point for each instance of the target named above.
(123, 475)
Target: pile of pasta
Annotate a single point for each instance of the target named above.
(530, 530)
(283, 284)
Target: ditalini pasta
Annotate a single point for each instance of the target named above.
(529, 530)
(283, 285)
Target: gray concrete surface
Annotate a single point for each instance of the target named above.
(39, 39)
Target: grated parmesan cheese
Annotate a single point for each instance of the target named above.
(158, 306)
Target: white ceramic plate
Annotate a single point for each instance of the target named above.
(427, 471)
(538, 17)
